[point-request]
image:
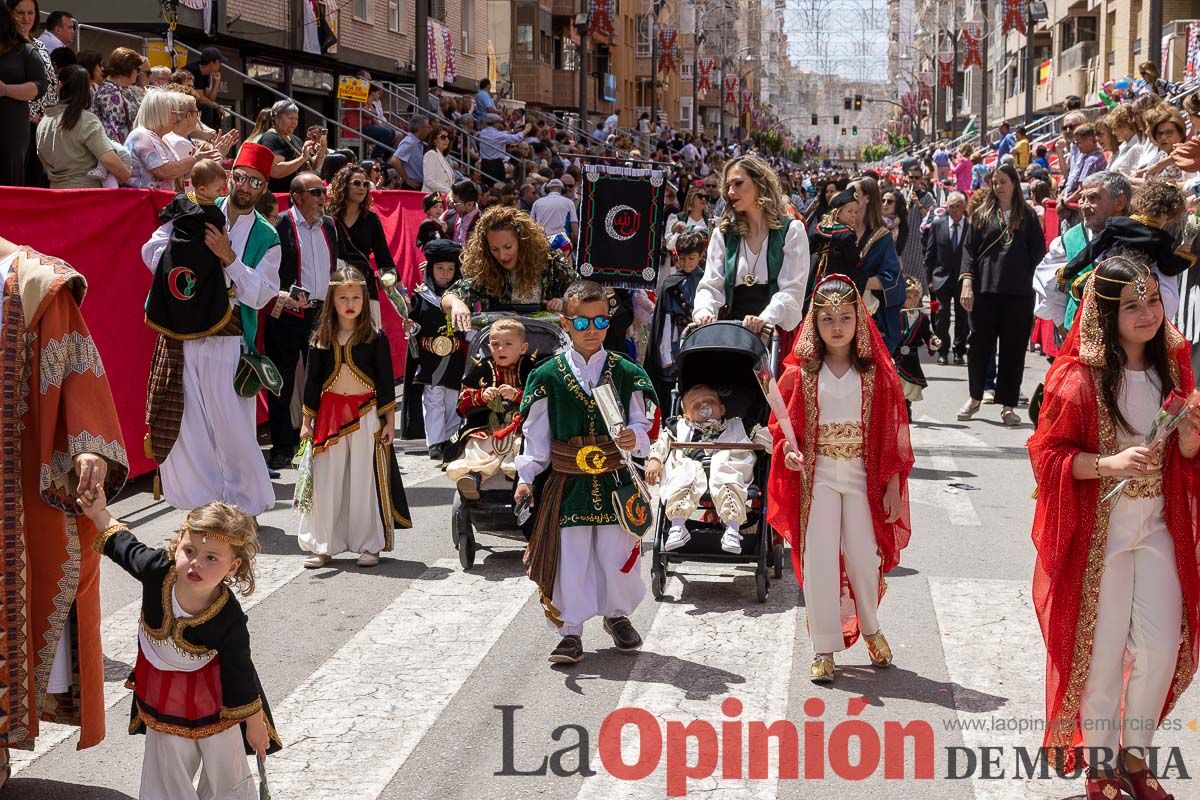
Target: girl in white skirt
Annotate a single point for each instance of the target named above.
(349, 414)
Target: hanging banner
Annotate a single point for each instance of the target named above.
(1191, 68)
(600, 25)
(730, 92)
(1044, 72)
(972, 35)
(704, 68)
(946, 69)
(1014, 20)
(451, 72)
(666, 49)
(432, 48)
(747, 97)
(621, 222)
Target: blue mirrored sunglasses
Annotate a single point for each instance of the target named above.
(581, 323)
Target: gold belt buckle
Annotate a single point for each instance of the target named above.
(441, 346)
(591, 459)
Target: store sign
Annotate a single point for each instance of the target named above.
(351, 88)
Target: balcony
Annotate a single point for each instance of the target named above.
(532, 82)
(1076, 57)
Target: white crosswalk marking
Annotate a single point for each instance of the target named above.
(931, 449)
(355, 721)
(118, 632)
(693, 661)
(974, 616)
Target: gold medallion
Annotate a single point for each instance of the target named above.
(441, 346)
(749, 279)
(590, 459)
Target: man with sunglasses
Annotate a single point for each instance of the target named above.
(202, 432)
(308, 247)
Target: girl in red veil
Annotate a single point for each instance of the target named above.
(1115, 582)
(841, 499)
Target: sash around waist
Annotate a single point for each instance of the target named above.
(585, 455)
(840, 440)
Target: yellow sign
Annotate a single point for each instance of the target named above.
(351, 88)
(159, 56)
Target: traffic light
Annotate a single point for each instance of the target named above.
(814, 119)
(847, 104)
(858, 102)
(837, 120)
(843, 131)
(854, 130)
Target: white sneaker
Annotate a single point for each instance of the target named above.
(989, 396)
(368, 560)
(731, 542)
(677, 537)
(316, 561)
(968, 410)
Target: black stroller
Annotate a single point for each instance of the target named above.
(493, 511)
(724, 355)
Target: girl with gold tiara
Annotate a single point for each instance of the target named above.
(350, 414)
(841, 500)
(1118, 577)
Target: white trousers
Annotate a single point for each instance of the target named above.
(684, 483)
(216, 456)
(590, 582)
(1139, 615)
(345, 506)
(170, 765)
(439, 407)
(479, 455)
(839, 524)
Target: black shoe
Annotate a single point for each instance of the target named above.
(279, 461)
(623, 633)
(435, 452)
(942, 360)
(959, 361)
(569, 651)
(468, 486)
(273, 474)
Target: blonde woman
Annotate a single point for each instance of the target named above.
(758, 262)
(1131, 155)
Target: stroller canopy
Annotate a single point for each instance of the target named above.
(724, 355)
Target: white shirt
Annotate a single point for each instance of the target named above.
(51, 41)
(5, 267)
(1129, 156)
(253, 287)
(438, 175)
(163, 655)
(314, 255)
(553, 212)
(1139, 400)
(786, 307)
(181, 146)
(536, 427)
(611, 123)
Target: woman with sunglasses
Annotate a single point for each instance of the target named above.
(360, 231)
(439, 175)
(507, 265)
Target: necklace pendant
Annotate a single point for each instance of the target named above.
(749, 279)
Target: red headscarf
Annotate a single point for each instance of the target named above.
(887, 451)
(1070, 536)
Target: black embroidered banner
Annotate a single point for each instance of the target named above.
(622, 216)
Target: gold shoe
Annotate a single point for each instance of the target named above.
(821, 670)
(879, 650)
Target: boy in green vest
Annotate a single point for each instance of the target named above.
(583, 561)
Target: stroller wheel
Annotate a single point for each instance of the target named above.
(762, 585)
(777, 556)
(460, 520)
(466, 550)
(658, 581)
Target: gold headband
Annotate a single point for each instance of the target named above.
(219, 536)
(1139, 284)
(835, 301)
(348, 283)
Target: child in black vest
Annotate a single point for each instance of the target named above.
(673, 311)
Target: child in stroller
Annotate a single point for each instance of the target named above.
(688, 474)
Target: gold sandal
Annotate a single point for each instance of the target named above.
(821, 670)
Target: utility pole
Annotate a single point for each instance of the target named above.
(697, 40)
(654, 65)
(1030, 68)
(1154, 35)
(983, 92)
(581, 24)
(937, 82)
(422, 55)
(721, 95)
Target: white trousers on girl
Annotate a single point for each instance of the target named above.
(216, 456)
(1139, 613)
(170, 765)
(345, 503)
(439, 407)
(839, 523)
(590, 582)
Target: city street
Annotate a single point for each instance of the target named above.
(419, 680)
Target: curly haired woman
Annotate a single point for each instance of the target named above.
(507, 263)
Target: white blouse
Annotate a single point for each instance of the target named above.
(1130, 156)
(1139, 401)
(839, 399)
(786, 307)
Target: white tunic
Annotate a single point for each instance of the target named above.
(786, 307)
(840, 402)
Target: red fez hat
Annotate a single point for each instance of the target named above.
(256, 157)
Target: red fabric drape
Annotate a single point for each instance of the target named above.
(100, 232)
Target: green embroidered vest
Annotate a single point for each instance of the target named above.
(261, 239)
(586, 499)
(1074, 240)
(733, 242)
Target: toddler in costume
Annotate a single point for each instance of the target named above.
(916, 330)
(189, 295)
(684, 476)
(491, 394)
(349, 414)
(196, 694)
(835, 245)
(673, 311)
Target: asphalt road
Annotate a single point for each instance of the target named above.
(419, 680)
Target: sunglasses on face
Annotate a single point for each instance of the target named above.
(316, 191)
(581, 323)
(254, 183)
(1069, 127)
(358, 183)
